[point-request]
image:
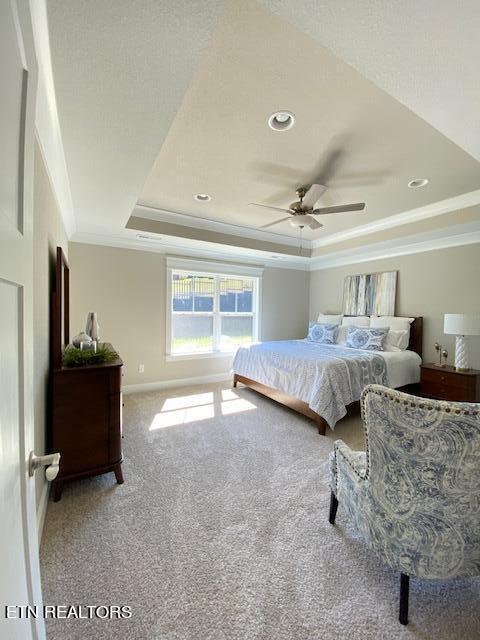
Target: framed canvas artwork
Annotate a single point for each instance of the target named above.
(370, 294)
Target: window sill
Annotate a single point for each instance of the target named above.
(196, 356)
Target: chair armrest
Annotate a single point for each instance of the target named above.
(346, 462)
(357, 460)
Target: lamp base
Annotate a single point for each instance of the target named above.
(461, 354)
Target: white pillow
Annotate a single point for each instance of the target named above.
(357, 321)
(399, 335)
(342, 335)
(392, 322)
(397, 340)
(329, 319)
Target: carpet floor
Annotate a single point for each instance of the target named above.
(220, 532)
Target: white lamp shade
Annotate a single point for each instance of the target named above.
(462, 324)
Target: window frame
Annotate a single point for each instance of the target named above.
(224, 271)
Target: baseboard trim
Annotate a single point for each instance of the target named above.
(170, 384)
(42, 510)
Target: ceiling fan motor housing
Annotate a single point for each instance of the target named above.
(297, 208)
(301, 192)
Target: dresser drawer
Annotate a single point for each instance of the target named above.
(446, 392)
(447, 379)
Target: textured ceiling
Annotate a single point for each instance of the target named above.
(120, 69)
(139, 80)
(220, 144)
(425, 53)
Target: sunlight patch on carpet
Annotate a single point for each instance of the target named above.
(181, 402)
(236, 406)
(197, 407)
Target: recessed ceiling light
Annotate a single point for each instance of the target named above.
(418, 182)
(202, 197)
(281, 120)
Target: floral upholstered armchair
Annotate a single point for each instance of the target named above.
(414, 495)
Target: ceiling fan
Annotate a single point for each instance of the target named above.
(301, 212)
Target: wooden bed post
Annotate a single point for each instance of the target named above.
(321, 425)
(235, 380)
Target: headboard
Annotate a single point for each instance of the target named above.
(416, 336)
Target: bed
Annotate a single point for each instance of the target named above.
(322, 381)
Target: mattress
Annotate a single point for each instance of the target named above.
(403, 367)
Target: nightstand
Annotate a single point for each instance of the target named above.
(446, 383)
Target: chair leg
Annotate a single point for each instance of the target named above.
(404, 589)
(333, 508)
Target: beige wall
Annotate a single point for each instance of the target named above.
(127, 289)
(48, 233)
(429, 285)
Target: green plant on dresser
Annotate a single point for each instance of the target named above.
(75, 357)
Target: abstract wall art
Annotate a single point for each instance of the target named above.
(370, 294)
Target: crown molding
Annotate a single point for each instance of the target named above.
(453, 236)
(191, 248)
(47, 125)
(456, 203)
(186, 220)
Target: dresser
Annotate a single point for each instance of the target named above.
(446, 383)
(86, 421)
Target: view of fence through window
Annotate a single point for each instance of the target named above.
(211, 313)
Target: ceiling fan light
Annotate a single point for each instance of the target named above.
(300, 221)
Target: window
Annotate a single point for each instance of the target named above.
(211, 312)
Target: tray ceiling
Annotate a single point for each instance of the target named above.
(158, 101)
(349, 134)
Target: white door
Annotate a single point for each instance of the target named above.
(19, 567)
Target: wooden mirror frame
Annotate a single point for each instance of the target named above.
(60, 300)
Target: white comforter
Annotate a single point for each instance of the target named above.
(326, 377)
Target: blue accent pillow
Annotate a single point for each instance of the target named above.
(323, 333)
(366, 338)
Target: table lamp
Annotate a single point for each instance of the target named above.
(461, 325)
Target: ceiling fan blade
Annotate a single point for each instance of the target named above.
(315, 224)
(285, 195)
(267, 206)
(265, 226)
(289, 176)
(330, 164)
(341, 208)
(313, 195)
